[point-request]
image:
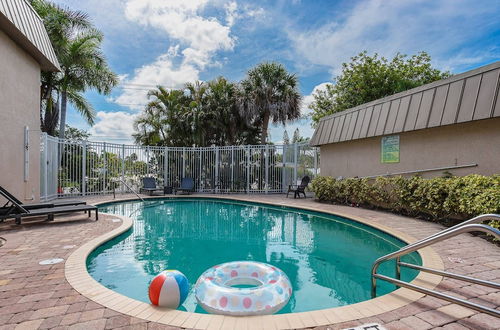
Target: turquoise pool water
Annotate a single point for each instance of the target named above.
(327, 258)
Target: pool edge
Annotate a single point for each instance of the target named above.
(78, 277)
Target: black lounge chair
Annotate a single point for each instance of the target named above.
(187, 186)
(17, 211)
(299, 189)
(11, 198)
(149, 185)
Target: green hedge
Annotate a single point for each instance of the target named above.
(436, 199)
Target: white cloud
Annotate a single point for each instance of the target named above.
(305, 111)
(304, 126)
(231, 12)
(114, 127)
(387, 27)
(161, 72)
(199, 39)
(182, 21)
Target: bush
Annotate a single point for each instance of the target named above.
(436, 199)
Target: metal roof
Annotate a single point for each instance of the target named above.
(23, 25)
(464, 97)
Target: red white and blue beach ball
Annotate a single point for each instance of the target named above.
(169, 289)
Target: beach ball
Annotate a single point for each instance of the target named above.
(169, 289)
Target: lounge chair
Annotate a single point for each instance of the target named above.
(17, 211)
(9, 197)
(187, 186)
(149, 185)
(299, 189)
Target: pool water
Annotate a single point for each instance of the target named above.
(327, 258)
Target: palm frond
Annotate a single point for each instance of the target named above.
(82, 105)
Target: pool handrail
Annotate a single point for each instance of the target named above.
(471, 225)
(129, 188)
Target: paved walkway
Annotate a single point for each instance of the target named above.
(34, 296)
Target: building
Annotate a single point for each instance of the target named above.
(451, 125)
(25, 50)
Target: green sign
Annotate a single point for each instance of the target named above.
(390, 149)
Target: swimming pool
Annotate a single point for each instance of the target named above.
(326, 257)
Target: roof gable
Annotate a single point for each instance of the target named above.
(23, 25)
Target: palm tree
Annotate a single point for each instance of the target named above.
(228, 127)
(269, 92)
(83, 67)
(162, 120)
(77, 46)
(197, 114)
(59, 25)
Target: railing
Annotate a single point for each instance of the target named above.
(78, 168)
(129, 188)
(434, 169)
(472, 225)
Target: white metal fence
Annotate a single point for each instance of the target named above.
(76, 168)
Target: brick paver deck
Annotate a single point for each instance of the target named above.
(34, 296)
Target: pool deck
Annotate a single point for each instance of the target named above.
(34, 296)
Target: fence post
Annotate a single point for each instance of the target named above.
(216, 169)
(165, 166)
(266, 169)
(123, 166)
(315, 161)
(248, 169)
(44, 165)
(232, 168)
(295, 158)
(147, 162)
(105, 166)
(283, 170)
(183, 162)
(84, 168)
(200, 185)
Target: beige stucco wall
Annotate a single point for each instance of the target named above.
(19, 107)
(475, 142)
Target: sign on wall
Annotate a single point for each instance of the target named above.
(390, 149)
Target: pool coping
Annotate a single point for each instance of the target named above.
(78, 277)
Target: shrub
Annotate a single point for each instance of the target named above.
(436, 199)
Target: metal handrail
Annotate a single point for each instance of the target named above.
(471, 225)
(420, 171)
(129, 188)
(478, 219)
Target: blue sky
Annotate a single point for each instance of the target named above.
(170, 42)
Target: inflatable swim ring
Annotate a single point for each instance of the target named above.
(215, 290)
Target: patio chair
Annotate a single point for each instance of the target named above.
(10, 198)
(187, 186)
(299, 189)
(18, 211)
(149, 185)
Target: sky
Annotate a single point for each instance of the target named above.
(171, 42)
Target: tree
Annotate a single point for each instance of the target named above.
(367, 78)
(286, 139)
(77, 45)
(162, 123)
(226, 124)
(203, 114)
(197, 114)
(296, 136)
(75, 135)
(269, 93)
(84, 67)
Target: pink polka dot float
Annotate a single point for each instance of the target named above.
(169, 289)
(270, 291)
